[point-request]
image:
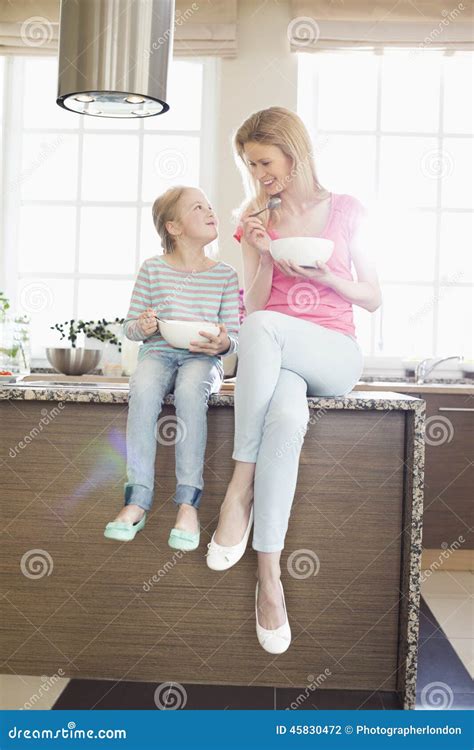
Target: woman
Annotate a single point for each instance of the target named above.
(297, 340)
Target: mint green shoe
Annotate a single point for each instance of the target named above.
(184, 540)
(122, 531)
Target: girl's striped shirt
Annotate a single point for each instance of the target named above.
(211, 295)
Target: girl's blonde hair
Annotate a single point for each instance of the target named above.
(165, 208)
(277, 126)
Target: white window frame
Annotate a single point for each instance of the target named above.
(379, 364)
(11, 131)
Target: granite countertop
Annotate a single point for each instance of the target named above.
(117, 392)
(113, 388)
(441, 388)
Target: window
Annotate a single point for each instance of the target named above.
(395, 130)
(78, 192)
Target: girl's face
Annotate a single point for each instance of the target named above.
(269, 166)
(197, 220)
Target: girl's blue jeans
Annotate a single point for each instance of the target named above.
(193, 377)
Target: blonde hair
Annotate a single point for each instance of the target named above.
(165, 208)
(277, 126)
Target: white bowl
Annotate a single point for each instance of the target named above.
(302, 250)
(179, 333)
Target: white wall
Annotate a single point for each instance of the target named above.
(263, 74)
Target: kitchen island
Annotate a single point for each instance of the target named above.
(93, 608)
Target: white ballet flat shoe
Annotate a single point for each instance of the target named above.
(274, 641)
(222, 558)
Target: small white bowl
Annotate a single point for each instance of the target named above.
(302, 250)
(180, 333)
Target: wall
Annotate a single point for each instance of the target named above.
(264, 74)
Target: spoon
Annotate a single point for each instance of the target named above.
(272, 203)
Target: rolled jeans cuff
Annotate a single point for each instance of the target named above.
(138, 494)
(248, 457)
(187, 495)
(267, 547)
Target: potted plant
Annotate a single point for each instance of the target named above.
(80, 360)
(4, 306)
(14, 341)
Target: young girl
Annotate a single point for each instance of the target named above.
(181, 284)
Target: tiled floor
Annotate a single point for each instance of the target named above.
(445, 672)
(450, 597)
(27, 692)
(446, 644)
(100, 695)
(443, 680)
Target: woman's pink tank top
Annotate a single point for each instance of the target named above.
(309, 299)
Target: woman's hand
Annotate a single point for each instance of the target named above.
(321, 271)
(148, 322)
(216, 345)
(255, 234)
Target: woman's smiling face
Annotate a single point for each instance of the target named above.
(269, 166)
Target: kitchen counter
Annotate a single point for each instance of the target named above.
(415, 388)
(356, 519)
(107, 391)
(48, 387)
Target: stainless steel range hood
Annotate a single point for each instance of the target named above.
(114, 56)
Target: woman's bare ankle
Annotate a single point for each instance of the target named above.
(239, 495)
(233, 517)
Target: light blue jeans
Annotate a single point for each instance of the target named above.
(282, 360)
(193, 377)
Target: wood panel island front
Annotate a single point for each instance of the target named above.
(93, 608)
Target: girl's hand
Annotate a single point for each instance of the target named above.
(321, 271)
(255, 234)
(216, 345)
(148, 322)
